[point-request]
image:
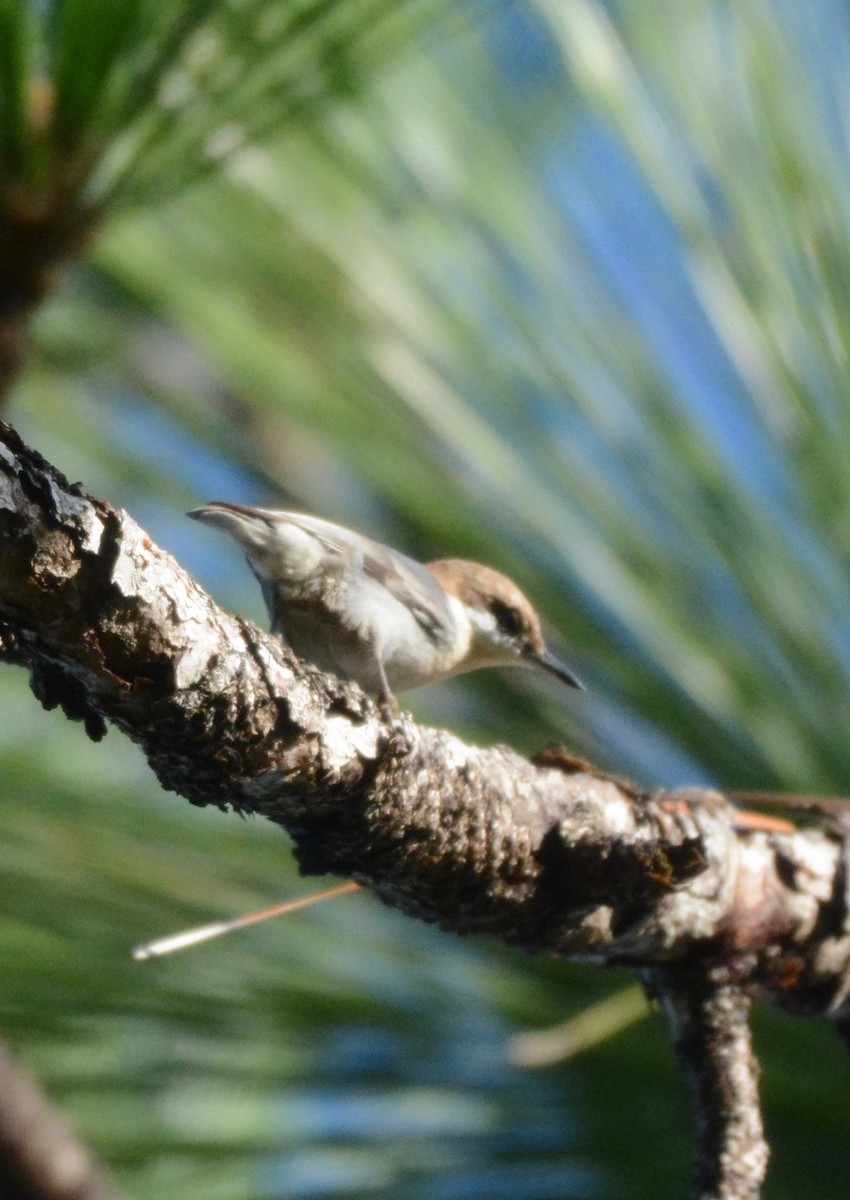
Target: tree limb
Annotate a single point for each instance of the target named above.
(40, 234)
(40, 1157)
(709, 1016)
(552, 856)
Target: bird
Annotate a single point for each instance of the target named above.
(368, 613)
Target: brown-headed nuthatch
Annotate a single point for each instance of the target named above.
(368, 613)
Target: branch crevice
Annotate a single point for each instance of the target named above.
(553, 856)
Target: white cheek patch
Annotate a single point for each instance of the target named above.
(492, 644)
(463, 630)
(484, 623)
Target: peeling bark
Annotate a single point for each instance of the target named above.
(552, 856)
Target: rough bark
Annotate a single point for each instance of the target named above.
(709, 1018)
(552, 856)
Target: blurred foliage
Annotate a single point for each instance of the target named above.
(561, 287)
(128, 101)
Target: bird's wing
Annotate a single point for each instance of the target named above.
(409, 581)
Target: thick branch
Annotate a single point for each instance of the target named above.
(709, 1017)
(40, 1157)
(43, 226)
(553, 856)
(37, 241)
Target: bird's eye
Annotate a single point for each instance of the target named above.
(508, 619)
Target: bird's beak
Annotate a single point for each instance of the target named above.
(548, 662)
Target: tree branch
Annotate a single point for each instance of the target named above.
(40, 1158)
(552, 856)
(709, 1016)
(39, 237)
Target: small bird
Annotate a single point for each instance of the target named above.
(368, 613)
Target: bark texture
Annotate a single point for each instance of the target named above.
(553, 856)
(709, 1018)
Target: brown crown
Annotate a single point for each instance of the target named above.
(483, 588)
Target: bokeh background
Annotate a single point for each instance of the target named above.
(558, 286)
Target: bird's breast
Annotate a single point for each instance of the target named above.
(345, 632)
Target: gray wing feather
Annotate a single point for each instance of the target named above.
(403, 577)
